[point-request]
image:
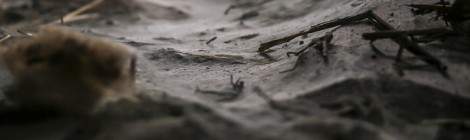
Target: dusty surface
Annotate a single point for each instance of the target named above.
(357, 95)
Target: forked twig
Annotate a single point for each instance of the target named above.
(321, 44)
(380, 24)
(406, 43)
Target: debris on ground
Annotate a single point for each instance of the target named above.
(244, 69)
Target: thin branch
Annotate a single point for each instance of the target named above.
(321, 26)
(6, 37)
(389, 34)
(410, 45)
(76, 15)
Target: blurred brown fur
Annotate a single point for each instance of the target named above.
(68, 72)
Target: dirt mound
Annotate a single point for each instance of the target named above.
(404, 99)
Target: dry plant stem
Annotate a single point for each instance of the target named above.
(6, 37)
(321, 26)
(438, 8)
(390, 34)
(409, 45)
(323, 48)
(312, 43)
(24, 33)
(380, 24)
(79, 17)
(320, 44)
(377, 51)
(226, 12)
(442, 9)
(299, 52)
(211, 40)
(73, 16)
(238, 85)
(267, 56)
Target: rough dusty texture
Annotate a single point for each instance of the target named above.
(357, 95)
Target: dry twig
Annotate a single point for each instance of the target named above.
(6, 37)
(78, 14)
(322, 26)
(321, 44)
(380, 24)
(211, 40)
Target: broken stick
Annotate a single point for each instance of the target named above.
(316, 28)
(5, 38)
(211, 40)
(77, 14)
(406, 43)
(380, 24)
(389, 34)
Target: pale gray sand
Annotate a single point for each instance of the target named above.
(175, 58)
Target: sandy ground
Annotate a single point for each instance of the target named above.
(356, 95)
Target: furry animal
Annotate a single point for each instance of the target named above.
(68, 72)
